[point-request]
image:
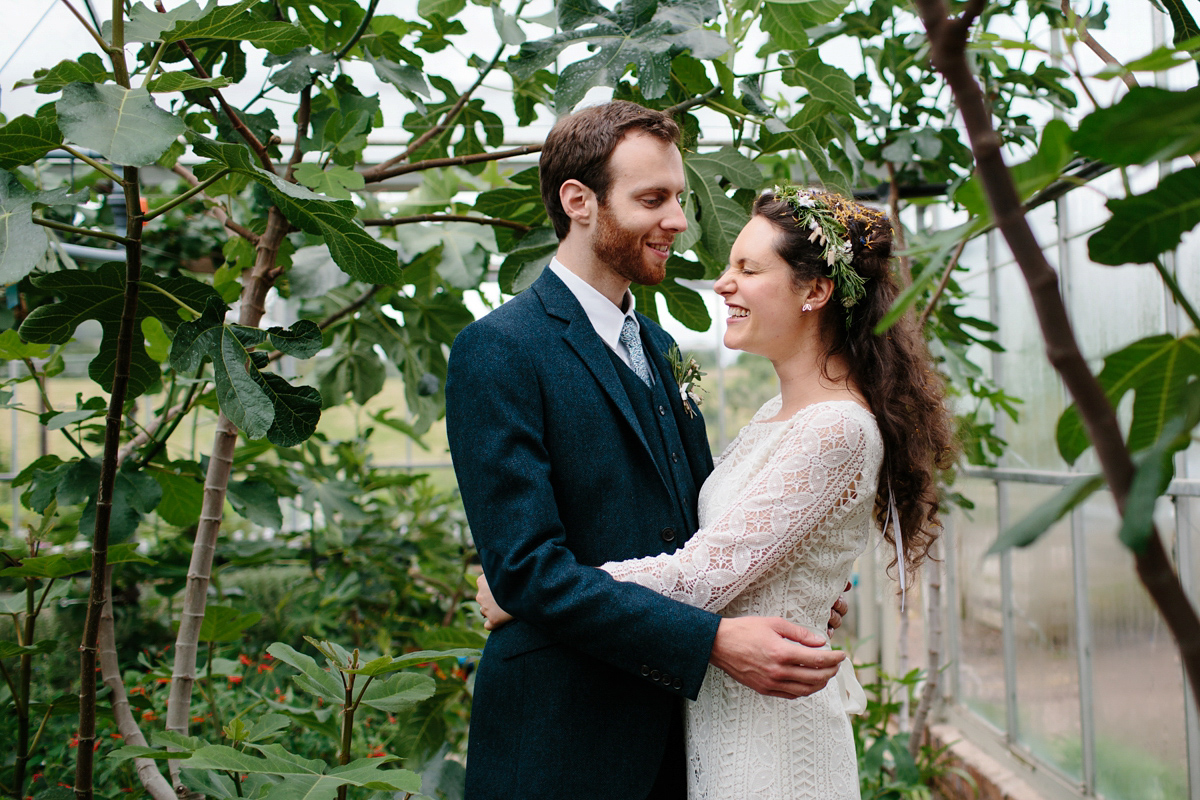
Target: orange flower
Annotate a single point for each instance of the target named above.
(149, 716)
(116, 736)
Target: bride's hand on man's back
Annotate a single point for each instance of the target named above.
(839, 610)
(493, 615)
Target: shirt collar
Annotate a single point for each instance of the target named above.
(606, 318)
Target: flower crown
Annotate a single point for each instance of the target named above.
(827, 215)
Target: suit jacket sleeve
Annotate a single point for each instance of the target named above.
(494, 410)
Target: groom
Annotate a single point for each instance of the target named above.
(572, 447)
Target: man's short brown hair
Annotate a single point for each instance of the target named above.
(579, 147)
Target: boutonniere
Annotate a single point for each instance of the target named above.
(687, 374)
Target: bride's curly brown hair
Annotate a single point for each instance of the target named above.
(893, 370)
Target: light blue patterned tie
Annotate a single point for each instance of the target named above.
(637, 357)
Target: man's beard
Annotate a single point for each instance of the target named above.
(624, 251)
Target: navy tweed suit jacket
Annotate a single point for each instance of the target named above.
(574, 699)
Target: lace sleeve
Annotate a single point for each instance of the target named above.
(807, 482)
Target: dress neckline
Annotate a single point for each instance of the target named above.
(800, 411)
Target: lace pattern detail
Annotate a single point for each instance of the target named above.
(782, 519)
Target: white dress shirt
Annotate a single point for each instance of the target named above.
(605, 317)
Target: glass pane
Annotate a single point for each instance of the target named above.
(1028, 375)
(1138, 678)
(981, 662)
(1044, 632)
(1100, 295)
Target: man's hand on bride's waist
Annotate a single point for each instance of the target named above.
(774, 657)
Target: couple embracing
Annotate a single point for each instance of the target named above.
(656, 622)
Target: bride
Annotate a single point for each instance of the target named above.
(854, 432)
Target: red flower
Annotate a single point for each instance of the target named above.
(116, 736)
(235, 679)
(245, 659)
(149, 716)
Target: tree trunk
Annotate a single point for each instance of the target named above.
(108, 478)
(220, 463)
(933, 636)
(147, 768)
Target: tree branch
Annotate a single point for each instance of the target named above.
(156, 785)
(183, 198)
(358, 303)
(897, 228)
(687, 105)
(948, 40)
(1084, 36)
(393, 221)
(362, 28)
(937, 294)
(215, 210)
(452, 161)
(382, 171)
(235, 120)
(62, 226)
(93, 163)
(105, 46)
(302, 117)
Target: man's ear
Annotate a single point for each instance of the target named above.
(578, 201)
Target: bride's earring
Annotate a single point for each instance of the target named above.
(806, 307)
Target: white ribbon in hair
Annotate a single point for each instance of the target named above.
(894, 519)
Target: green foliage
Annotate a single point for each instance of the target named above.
(99, 295)
(123, 125)
(641, 33)
(260, 403)
(1155, 470)
(1144, 226)
(1147, 124)
(1157, 370)
(886, 768)
(23, 241)
(26, 139)
(354, 250)
(1038, 521)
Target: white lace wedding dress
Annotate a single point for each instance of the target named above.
(782, 519)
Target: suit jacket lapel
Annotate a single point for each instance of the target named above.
(581, 337)
(691, 428)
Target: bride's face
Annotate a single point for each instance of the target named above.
(763, 302)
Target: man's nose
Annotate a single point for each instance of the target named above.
(675, 220)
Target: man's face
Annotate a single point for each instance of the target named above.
(641, 216)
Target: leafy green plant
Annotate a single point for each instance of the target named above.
(887, 768)
(254, 763)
